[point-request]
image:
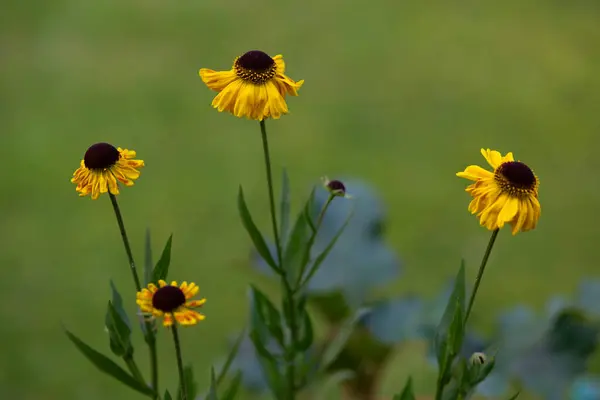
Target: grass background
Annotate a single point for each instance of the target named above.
(402, 94)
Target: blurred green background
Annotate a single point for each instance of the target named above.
(402, 94)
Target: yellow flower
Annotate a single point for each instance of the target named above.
(507, 195)
(171, 301)
(102, 166)
(254, 88)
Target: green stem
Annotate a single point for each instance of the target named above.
(136, 278)
(311, 241)
(265, 143)
(183, 389)
(289, 292)
(150, 338)
(484, 261)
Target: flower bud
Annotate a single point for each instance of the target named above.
(478, 359)
(335, 187)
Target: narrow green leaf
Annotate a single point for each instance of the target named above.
(233, 388)
(212, 391)
(255, 235)
(117, 324)
(148, 265)
(448, 337)
(119, 332)
(342, 336)
(284, 208)
(108, 366)
(321, 257)
(306, 335)
(268, 314)
(308, 210)
(190, 383)
(407, 392)
(231, 357)
(167, 395)
(161, 269)
(260, 347)
(297, 246)
(514, 397)
(268, 364)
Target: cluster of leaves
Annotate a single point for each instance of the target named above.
(525, 346)
(119, 329)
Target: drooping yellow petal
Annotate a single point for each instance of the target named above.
(508, 211)
(475, 172)
(217, 80)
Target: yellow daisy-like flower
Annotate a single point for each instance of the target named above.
(171, 302)
(254, 88)
(509, 194)
(104, 165)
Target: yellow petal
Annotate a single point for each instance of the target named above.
(493, 157)
(217, 80)
(508, 211)
(475, 172)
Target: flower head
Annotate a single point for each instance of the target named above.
(254, 88)
(335, 187)
(509, 194)
(104, 165)
(171, 302)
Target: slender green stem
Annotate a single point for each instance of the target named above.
(484, 261)
(184, 394)
(136, 278)
(265, 143)
(150, 338)
(311, 241)
(288, 291)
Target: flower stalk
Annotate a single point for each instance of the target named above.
(184, 394)
(484, 261)
(150, 337)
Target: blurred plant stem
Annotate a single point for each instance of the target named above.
(183, 388)
(150, 337)
(290, 351)
(300, 283)
(484, 261)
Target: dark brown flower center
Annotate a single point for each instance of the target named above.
(101, 156)
(168, 299)
(336, 187)
(518, 174)
(255, 66)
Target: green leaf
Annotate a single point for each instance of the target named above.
(231, 357)
(321, 257)
(119, 332)
(284, 207)
(190, 384)
(117, 324)
(255, 235)
(233, 388)
(268, 364)
(308, 210)
(407, 392)
(108, 366)
(306, 335)
(514, 397)
(295, 255)
(342, 336)
(268, 314)
(167, 395)
(161, 269)
(148, 265)
(450, 332)
(212, 391)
